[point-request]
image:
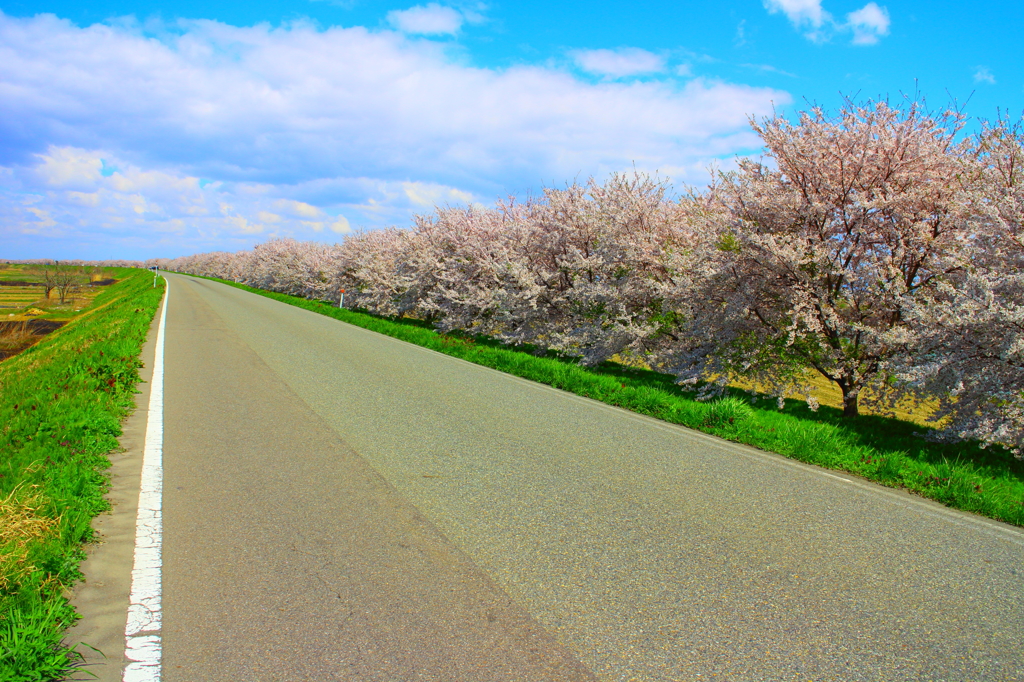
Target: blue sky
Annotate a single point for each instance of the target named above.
(157, 128)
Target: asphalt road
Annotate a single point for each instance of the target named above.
(339, 505)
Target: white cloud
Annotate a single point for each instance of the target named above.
(431, 19)
(69, 167)
(369, 125)
(344, 4)
(983, 75)
(868, 24)
(43, 219)
(627, 61)
(299, 209)
(427, 195)
(802, 13)
(84, 198)
(130, 204)
(741, 34)
(242, 226)
(340, 225)
(294, 104)
(768, 68)
(175, 212)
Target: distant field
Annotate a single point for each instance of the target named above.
(22, 273)
(18, 297)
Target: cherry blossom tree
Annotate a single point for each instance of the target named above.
(590, 270)
(371, 268)
(304, 269)
(971, 353)
(848, 219)
(622, 260)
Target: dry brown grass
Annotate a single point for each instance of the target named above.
(21, 526)
(17, 297)
(16, 337)
(829, 394)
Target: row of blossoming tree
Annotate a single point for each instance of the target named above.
(880, 248)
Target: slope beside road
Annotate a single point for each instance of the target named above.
(342, 505)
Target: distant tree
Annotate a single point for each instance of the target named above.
(47, 271)
(605, 268)
(66, 280)
(373, 269)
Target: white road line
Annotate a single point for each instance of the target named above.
(142, 632)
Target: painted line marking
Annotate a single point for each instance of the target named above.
(142, 631)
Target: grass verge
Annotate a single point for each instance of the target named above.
(888, 451)
(61, 405)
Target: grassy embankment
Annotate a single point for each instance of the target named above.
(61, 404)
(989, 481)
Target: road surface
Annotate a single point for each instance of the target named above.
(340, 505)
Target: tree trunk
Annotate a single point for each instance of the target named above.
(850, 408)
(850, 395)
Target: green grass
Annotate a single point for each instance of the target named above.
(888, 451)
(61, 405)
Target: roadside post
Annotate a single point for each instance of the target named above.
(341, 303)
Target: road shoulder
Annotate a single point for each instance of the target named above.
(102, 597)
